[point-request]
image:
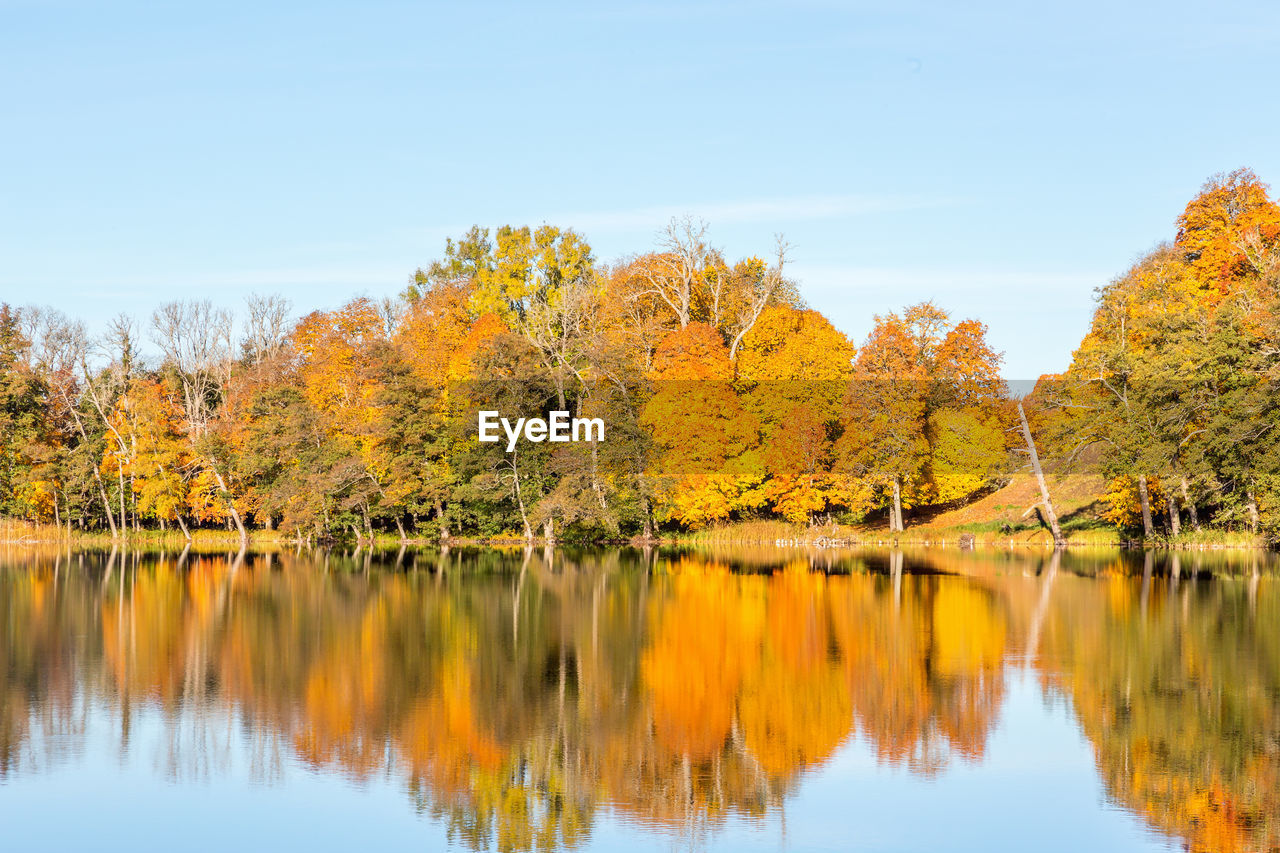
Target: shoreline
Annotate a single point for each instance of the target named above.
(222, 542)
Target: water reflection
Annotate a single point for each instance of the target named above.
(518, 696)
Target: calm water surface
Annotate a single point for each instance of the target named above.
(749, 700)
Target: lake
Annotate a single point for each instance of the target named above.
(744, 699)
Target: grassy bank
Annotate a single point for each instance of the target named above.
(1005, 517)
(19, 533)
(990, 534)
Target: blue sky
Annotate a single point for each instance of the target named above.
(1001, 159)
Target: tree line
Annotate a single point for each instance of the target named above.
(725, 395)
(1175, 381)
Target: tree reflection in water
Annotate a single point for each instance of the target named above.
(517, 694)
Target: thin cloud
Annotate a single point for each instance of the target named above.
(793, 209)
(829, 281)
(209, 281)
(633, 220)
(299, 276)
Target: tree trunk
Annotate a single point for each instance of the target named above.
(1175, 518)
(524, 516)
(133, 502)
(106, 503)
(444, 524)
(97, 476)
(400, 526)
(1252, 507)
(549, 532)
(1191, 507)
(1148, 531)
(646, 509)
(895, 511)
(595, 477)
(226, 495)
(183, 525)
(1059, 540)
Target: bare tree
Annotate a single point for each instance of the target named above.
(561, 326)
(120, 344)
(391, 310)
(266, 327)
(760, 294)
(103, 388)
(689, 276)
(640, 316)
(59, 347)
(675, 272)
(56, 340)
(195, 338)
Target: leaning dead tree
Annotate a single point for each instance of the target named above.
(1059, 540)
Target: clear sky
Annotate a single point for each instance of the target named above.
(1000, 159)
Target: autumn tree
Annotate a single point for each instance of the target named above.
(1176, 369)
(21, 416)
(923, 410)
(792, 372)
(690, 281)
(707, 443)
